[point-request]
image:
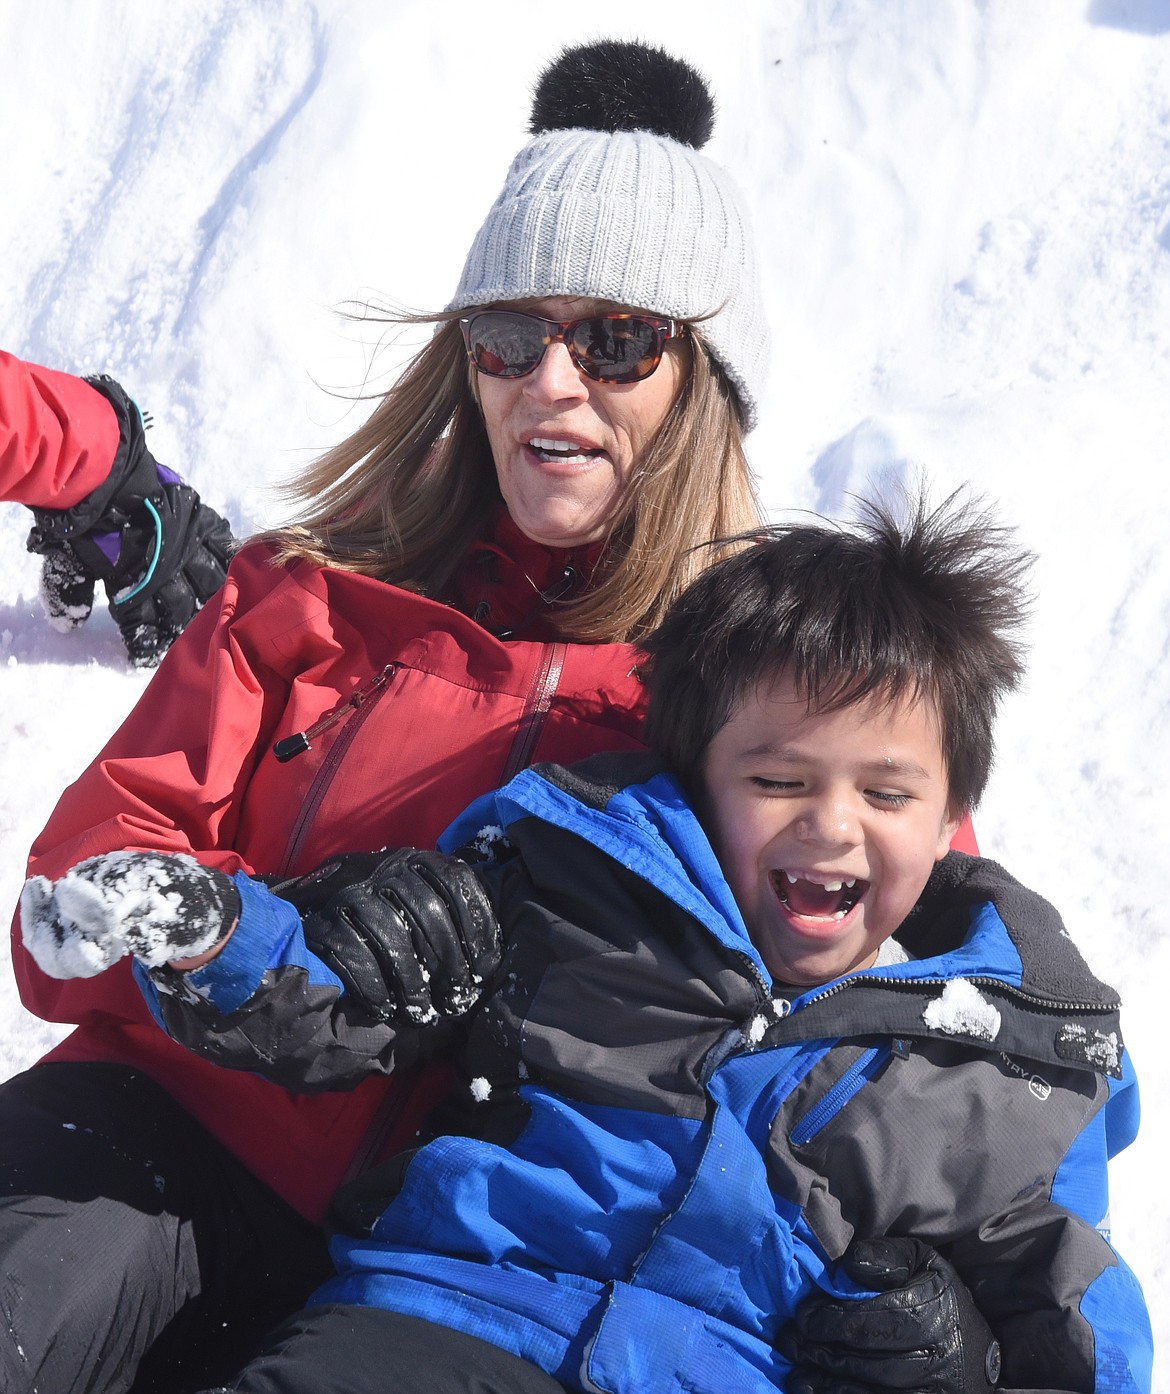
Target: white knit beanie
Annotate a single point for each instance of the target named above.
(631, 213)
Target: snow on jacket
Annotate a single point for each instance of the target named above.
(424, 710)
(652, 1157)
(58, 437)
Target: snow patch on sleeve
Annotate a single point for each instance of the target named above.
(491, 842)
(962, 1010)
(1101, 1049)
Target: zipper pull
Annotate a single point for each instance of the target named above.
(288, 747)
(562, 586)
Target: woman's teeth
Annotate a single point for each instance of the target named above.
(568, 451)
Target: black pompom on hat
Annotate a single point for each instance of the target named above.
(611, 199)
(616, 86)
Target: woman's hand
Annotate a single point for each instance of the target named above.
(159, 907)
(921, 1332)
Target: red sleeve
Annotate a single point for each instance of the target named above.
(58, 437)
(172, 777)
(964, 838)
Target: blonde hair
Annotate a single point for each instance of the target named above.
(403, 497)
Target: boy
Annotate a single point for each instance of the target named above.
(748, 1012)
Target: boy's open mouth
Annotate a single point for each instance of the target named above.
(823, 899)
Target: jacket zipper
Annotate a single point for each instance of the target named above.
(289, 747)
(537, 704)
(362, 702)
(920, 985)
(533, 715)
(851, 1082)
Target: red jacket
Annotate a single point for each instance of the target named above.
(58, 437)
(425, 709)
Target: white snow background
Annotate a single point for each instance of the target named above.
(964, 211)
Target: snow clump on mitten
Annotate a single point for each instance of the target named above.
(156, 906)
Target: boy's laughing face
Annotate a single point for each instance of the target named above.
(826, 824)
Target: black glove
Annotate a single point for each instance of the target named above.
(412, 935)
(159, 551)
(154, 905)
(922, 1332)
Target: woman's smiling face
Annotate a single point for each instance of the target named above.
(565, 447)
(826, 824)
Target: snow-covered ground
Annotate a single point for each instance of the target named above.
(964, 207)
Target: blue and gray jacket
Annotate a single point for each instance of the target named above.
(652, 1156)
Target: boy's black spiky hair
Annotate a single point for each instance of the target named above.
(929, 605)
(615, 85)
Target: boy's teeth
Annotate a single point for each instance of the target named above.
(847, 884)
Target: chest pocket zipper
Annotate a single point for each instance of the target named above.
(361, 703)
(851, 1082)
(357, 707)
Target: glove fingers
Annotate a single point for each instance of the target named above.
(447, 959)
(465, 904)
(885, 1368)
(365, 941)
(149, 627)
(345, 949)
(146, 645)
(411, 934)
(172, 560)
(921, 1331)
(405, 969)
(886, 1263)
(209, 561)
(866, 1323)
(69, 937)
(66, 589)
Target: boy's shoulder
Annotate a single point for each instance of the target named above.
(973, 902)
(960, 883)
(596, 780)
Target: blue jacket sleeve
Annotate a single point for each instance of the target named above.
(267, 1003)
(1045, 1274)
(1112, 1304)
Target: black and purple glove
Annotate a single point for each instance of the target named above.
(921, 1333)
(160, 552)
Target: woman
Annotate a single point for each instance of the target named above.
(461, 597)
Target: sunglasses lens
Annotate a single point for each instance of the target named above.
(505, 345)
(608, 348)
(617, 348)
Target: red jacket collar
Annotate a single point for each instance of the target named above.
(512, 585)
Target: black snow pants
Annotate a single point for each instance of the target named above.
(337, 1349)
(136, 1253)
